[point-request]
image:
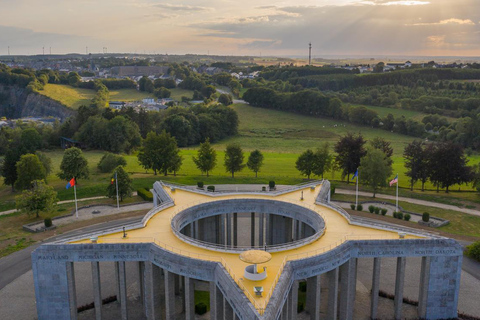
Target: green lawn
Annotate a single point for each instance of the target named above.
(384, 111)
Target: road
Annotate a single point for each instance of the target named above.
(410, 200)
(17, 263)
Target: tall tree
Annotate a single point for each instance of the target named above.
(9, 168)
(29, 168)
(74, 165)
(233, 158)
(159, 152)
(375, 169)
(255, 161)
(30, 141)
(176, 164)
(350, 149)
(46, 161)
(125, 187)
(37, 199)
(383, 145)
(206, 159)
(323, 160)
(306, 163)
(416, 162)
(448, 166)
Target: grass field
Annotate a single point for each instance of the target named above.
(75, 97)
(383, 112)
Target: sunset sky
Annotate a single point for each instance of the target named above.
(245, 27)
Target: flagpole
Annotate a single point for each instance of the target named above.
(396, 202)
(75, 192)
(356, 193)
(116, 183)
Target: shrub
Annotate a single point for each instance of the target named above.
(473, 251)
(302, 286)
(371, 208)
(384, 211)
(211, 188)
(394, 214)
(377, 210)
(110, 161)
(200, 308)
(352, 206)
(332, 189)
(359, 207)
(200, 184)
(426, 217)
(145, 194)
(47, 222)
(400, 215)
(271, 184)
(407, 217)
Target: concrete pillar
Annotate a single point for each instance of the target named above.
(123, 290)
(97, 291)
(399, 283)
(229, 313)
(216, 302)
(423, 289)
(313, 297)
(261, 227)
(288, 229)
(229, 234)
(332, 277)
(189, 299)
(294, 229)
(148, 295)
(117, 280)
(141, 267)
(195, 230)
(348, 279)
(268, 229)
(252, 229)
(169, 294)
(235, 229)
(72, 291)
(375, 288)
(284, 315)
(155, 199)
(191, 230)
(294, 301)
(158, 292)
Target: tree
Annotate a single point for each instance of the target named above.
(162, 92)
(255, 161)
(225, 99)
(159, 153)
(233, 158)
(384, 146)
(448, 165)
(46, 162)
(375, 169)
(306, 163)
(206, 158)
(37, 199)
(74, 165)
(323, 160)
(416, 162)
(110, 161)
(350, 149)
(125, 187)
(9, 168)
(29, 168)
(30, 141)
(176, 164)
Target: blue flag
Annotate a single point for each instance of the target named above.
(355, 175)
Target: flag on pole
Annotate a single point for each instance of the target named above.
(355, 175)
(395, 180)
(114, 178)
(71, 183)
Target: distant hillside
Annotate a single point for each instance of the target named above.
(17, 102)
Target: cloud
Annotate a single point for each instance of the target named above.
(182, 7)
(446, 22)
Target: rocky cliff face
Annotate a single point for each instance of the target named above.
(18, 103)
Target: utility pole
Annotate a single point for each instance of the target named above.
(309, 53)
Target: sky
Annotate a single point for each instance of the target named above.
(242, 27)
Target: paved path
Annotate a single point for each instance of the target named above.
(410, 200)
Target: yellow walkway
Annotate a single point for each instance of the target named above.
(338, 230)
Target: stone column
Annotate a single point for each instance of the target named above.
(216, 302)
(348, 279)
(123, 290)
(294, 301)
(117, 280)
(169, 294)
(228, 222)
(72, 291)
(229, 313)
(332, 277)
(375, 288)
(261, 227)
(268, 229)
(399, 283)
(294, 229)
(252, 229)
(189, 299)
(97, 291)
(148, 296)
(235, 229)
(158, 292)
(423, 289)
(313, 297)
(141, 267)
(288, 229)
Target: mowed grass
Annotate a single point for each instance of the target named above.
(75, 97)
(384, 111)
